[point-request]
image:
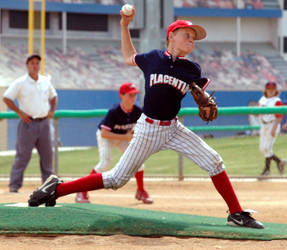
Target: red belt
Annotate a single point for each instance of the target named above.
(161, 123)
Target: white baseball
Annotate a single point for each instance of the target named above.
(127, 9)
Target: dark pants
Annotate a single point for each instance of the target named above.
(35, 134)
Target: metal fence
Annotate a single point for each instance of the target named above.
(61, 114)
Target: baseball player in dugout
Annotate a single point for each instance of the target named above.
(37, 100)
(169, 75)
(116, 129)
(270, 128)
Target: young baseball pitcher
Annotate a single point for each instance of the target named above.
(270, 128)
(168, 77)
(116, 129)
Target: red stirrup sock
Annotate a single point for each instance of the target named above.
(93, 171)
(139, 177)
(224, 187)
(87, 183)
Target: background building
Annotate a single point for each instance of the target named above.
(246, 47)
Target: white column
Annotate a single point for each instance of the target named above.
(240, 5)
(0, 27)
(64, 30)
(150, 35)
(238, 36)
(283, 32)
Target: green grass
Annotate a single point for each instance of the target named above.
(240, 154)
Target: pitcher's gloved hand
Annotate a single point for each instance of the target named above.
(208, 110)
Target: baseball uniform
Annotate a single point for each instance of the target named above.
(268, 121)
(166, 83)
(118, 121)
(168, 76)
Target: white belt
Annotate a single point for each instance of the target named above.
(268, 122)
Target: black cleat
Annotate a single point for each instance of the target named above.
(266, 172)
(46, 193)
(281, 166)
(13, 190)
(51, 202)
(244, 219)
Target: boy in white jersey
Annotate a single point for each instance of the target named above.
(270, 128)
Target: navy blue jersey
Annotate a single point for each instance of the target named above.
(166, 82)
(118, 121)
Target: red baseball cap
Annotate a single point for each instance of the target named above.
(200, 31)
(128, 88)
(271, 85)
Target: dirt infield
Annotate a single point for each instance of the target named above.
(200, 198)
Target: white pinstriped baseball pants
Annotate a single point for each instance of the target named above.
(105, 151)
(266, 141)
(151, 138)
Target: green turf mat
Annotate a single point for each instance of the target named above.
(17, 218)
